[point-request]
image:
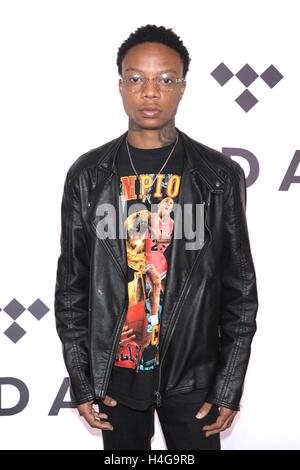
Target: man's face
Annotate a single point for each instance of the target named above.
(151, 60)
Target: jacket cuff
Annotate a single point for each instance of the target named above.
(217, 400)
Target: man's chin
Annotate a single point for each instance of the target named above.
(149, 124)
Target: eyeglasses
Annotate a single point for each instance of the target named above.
(164, 82)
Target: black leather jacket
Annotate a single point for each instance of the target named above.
(210, 301)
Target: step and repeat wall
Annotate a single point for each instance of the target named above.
(60, 98)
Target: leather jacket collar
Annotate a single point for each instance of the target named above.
(192, 162)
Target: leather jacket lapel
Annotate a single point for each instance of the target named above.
(107, 195)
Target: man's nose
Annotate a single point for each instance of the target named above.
(151, 88)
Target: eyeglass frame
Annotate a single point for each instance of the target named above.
(146, 80)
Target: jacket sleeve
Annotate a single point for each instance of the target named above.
(239, 302)
(72, 295)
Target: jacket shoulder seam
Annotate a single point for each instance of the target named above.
(90, 159)
(218, 163)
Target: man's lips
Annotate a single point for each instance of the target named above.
(150, 111)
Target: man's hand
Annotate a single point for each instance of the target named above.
(224, 420)
(94, 419)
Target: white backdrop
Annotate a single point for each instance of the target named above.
(59, 98)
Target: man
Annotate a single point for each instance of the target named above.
(146, 324)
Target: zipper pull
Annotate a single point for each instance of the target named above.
(158, 398)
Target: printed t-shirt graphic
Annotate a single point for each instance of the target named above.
(149, 233)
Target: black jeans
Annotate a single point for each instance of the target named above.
(133, 429)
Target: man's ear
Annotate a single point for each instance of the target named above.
(120, 86)
(182, 89)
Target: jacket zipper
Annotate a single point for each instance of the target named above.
(112, 358)
(180, 301)
(116, 340)
(117, 336)
(115, 344)
(173, 325)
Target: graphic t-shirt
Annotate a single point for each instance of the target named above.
(147, 210)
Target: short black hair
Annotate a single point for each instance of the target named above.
(153, 33)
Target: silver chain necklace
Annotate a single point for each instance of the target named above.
(148, 196)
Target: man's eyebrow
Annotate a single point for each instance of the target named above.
(142, 71)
